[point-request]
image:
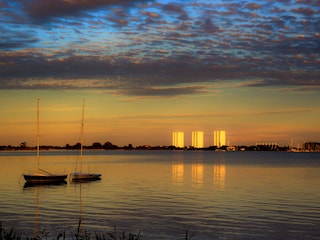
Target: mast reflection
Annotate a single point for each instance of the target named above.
(78, 185)
(37, 186)
(36, 218)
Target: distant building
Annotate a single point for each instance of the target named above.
(219, 138)
(312, 146)
(178, 139)
(267, 146)
(197, 139)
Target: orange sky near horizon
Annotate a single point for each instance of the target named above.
(151, 121)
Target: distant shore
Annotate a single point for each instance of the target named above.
(307, 147)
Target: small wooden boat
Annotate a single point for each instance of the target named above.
(80, 176)
(42, 178)
(39, 178)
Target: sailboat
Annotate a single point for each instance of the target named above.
(79, 175)
(42, 176)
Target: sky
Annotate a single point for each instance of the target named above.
(148, 68)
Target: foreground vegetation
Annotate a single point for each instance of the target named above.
(11, 234)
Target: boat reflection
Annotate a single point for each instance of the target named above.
(79, 181)
(38, 184)
(36, 187)
(36, 217)
(78, 188)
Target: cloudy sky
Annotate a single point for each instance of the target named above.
(147, 68)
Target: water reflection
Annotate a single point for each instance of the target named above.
(81, 193)
(177, 173)
(36, 218)
(200, 173)
(219, 176)
(36, 188)
(232, 196)
(78, 185)
(39, 184)
(197, 174)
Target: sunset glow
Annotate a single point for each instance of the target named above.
(148, 68)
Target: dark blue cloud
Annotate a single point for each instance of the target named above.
(157, 44)
(40, 10)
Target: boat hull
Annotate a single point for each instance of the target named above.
(39, 178)
(85, 176)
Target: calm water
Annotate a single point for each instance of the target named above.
(213, 195)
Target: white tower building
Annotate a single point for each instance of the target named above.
(219, 138)
(178, 139)
(197, 139)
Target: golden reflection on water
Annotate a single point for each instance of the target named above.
(200, 174)
(219, 176)
(177, 173)
(197, 174)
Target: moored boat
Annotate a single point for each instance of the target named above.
(42, 176)
(79, 175)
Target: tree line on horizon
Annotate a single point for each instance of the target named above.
(312, 146)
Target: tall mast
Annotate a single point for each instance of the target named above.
(38, 136)
(81, 135)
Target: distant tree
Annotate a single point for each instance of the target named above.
(96, 145)
(77, 146)
(23, 145)
(109, 145)
(212, 148)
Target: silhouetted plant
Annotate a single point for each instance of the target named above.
(8, 235)
(44, 235)
(187, 235)
(114, 235)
